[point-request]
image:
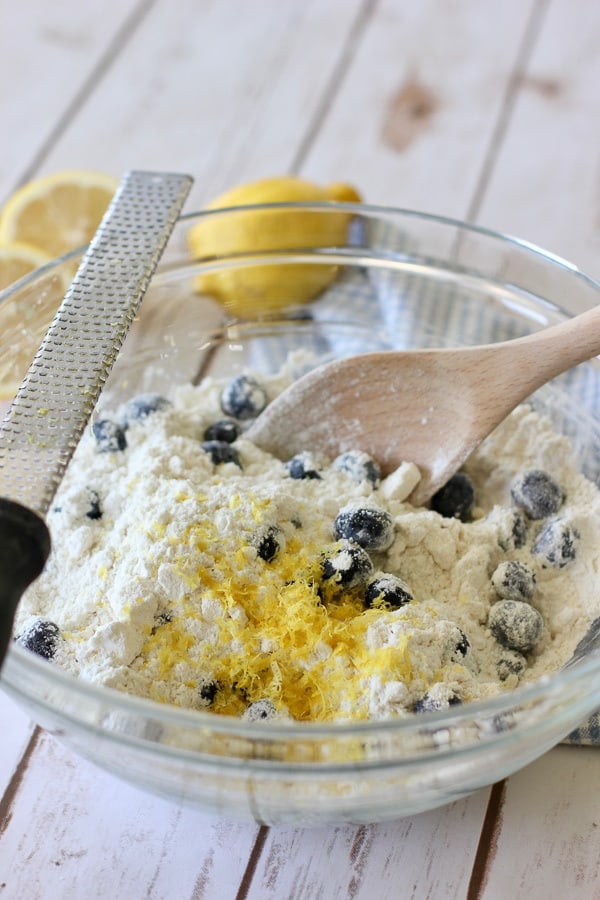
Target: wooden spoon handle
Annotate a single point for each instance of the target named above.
(541, 356)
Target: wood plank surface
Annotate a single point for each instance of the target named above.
(483, 110)
(78, 833)
(414, 117)
(194, 93)
(545, 184)
(548, 835)
(52, 53)
(402, 858)
(17, 729)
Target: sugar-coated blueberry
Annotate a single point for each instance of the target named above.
(142, 406)
(371, 527)
(40, 637)
(511, 527)
(208, 691)
(510, 662)
(358, 466)
(455, 499)
(160, 619)
(259, 711)
(461, 646)
(435, 700)
(222, 430)
(269, 543)
(110, 437)
(243, 397)
(221, 452)
(513, 580)
(303, 465)
(346, 567)
(556, 543)
(95, 507)
(536, 492)
(387, 591)
(516, 625)
(518, 531)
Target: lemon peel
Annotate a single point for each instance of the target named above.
(26, 311)
(257, 290)
(18, 259)
(59, 212)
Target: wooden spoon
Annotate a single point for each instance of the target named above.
(429, 407)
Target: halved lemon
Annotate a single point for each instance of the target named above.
(17, 260)
(262, 290)
(57, 213)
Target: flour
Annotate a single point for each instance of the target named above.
(215, 582)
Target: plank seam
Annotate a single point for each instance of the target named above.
(488, 842)
(334, 84)
(253, 859)
(12, 789)
(524, 51)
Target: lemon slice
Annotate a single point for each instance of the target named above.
(258, 290)
(17, 260)
(25, 312)
(58, 212)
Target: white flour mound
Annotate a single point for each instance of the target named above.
(205, 584)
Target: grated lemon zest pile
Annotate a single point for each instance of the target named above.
(309, 645)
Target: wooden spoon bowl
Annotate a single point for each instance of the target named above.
(429, 407)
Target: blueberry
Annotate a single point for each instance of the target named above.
(387, 591)
(268, 544)
(510, 663)
(514, 580)
(95, 510)
(40, 637)
(537, 493)
(303, 465)
(462, 645)
(455, 499)
(518, 531)
(221, 452)
(370, 527)
(259, 711)
(346, 567)
(142, 406)
(358, 466)
(556, 543)
(430, 702)
(160, 619)
(516, 625)
(243, 398)
(208, 691)
(511, 527)
(110, 437)
(223, 430)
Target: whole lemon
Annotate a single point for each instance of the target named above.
(255, 290)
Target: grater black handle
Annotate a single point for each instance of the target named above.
(24, 549)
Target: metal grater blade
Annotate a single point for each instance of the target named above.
(51, 409)
(47, 417)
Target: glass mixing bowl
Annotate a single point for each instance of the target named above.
(383, 279)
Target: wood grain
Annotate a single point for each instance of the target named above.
(228, 104)
(402, 859)
(547, 845)
(79, 833)
(447, 107)
(412, 122)
(49, 53)
(546, 183)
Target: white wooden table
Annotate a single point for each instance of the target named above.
(477, 109)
